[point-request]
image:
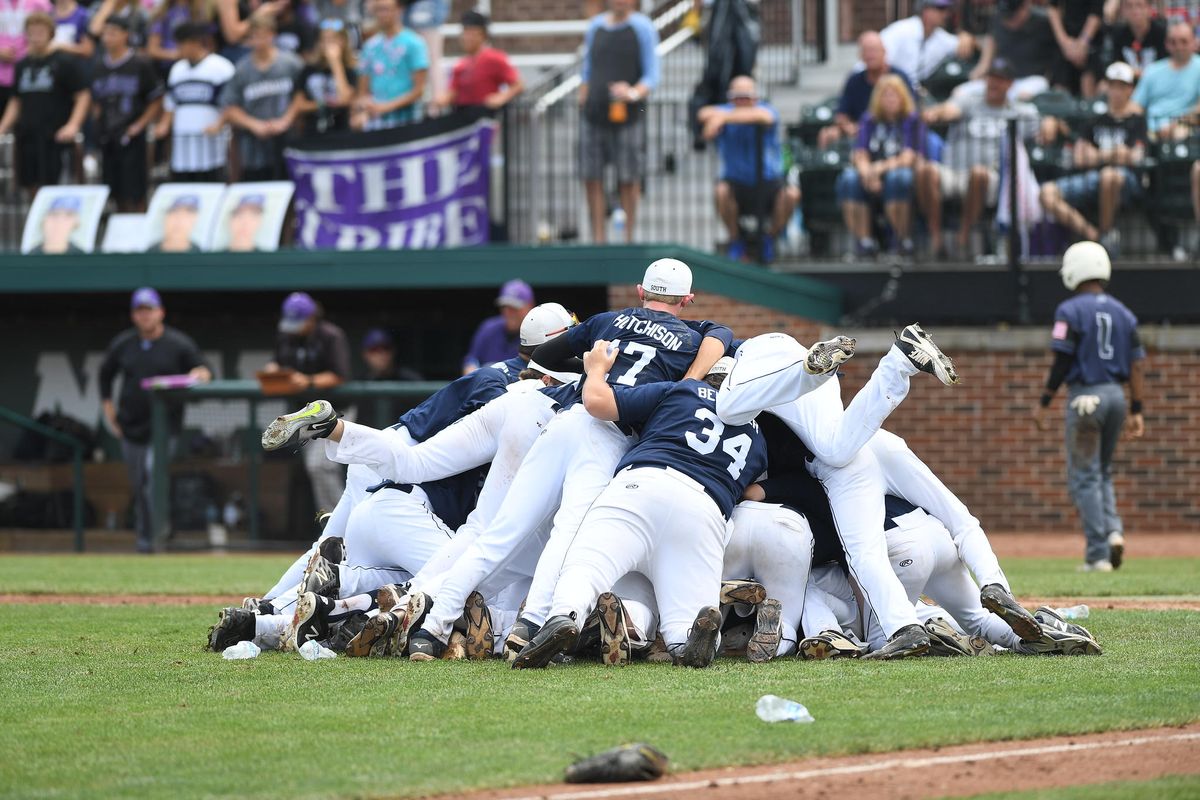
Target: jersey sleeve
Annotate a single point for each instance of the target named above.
(1064, 337)
(582, 336)
(1137, 350)
(712, 329)
(635, 404)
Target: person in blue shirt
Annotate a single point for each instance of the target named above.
(497, 337)
(856, 92)
(744, 186)
(1096, 349)
(663, 514)
(1170, 87)
(395, 65)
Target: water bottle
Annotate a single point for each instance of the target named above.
(1074, 612)
(779, 709)
(618, 225)
(246, 649)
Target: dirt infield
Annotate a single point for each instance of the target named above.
(961, 771)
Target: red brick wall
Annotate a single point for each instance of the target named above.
(746, 319)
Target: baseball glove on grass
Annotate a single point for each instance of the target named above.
(629, 762)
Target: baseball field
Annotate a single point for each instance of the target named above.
(107, 691)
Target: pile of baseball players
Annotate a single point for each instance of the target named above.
(642, 486)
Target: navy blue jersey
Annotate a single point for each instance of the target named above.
(459, 398)
(654, 345)
(681, 430)
(1101, 333)
(566, 395)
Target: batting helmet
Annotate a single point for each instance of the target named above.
(1085, 261)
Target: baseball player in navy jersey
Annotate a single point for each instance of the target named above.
(1096, 349)
(664, 513)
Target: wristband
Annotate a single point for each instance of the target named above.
(1046, 398)
(1135, 406)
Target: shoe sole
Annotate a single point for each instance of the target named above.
(477, 641)
(699, 651)
(414, 615)
(768, 631)
(1021, 621)
(944, 641)
(541, 655)
(818, 649)
(749, 592)
(388, 597)
(306, 609)
(287, 428)
(1116, 554)
(614, 635)
(919, 649)
(456, 650)
(371, 640)
(824, 357)
(943, 367)
(223, 615)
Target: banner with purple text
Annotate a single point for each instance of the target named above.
(418, 186)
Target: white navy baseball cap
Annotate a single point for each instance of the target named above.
(723, 366)
(668, 276)
(543, 323)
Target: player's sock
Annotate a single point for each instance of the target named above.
(348, 605)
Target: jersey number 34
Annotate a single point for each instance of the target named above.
(736, 447)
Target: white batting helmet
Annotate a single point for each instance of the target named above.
(543, 323)
(1085, 261)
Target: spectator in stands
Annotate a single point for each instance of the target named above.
(234, 18)
(161, 44)
(129, 11)
(483, 76)
(379, 354)
(741, 188)
(325, 90)
(1020, 34)
(48, 107)
(426, 18)
(349, 12)
(620, 69)
(969, 166)
(12, 39)
(1108, 147)
(258, 101)
(395, 65)
(1076, 26)
(126, 96)
(856, 92)
(1139, 39)
(890, 139)
(1170, 88)
(192, 115)
(294, 28)
(917, 45)
(71, 29)
(148, 349)
(318, 354)
(497, 338)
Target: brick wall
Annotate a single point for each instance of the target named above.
(746, 319)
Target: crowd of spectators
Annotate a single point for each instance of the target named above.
(202, 74)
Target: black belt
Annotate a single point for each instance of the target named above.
(404, 487)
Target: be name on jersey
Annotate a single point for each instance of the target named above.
(651, 330)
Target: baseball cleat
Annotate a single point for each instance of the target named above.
(827, 645)
(553, 639)
(768, 631)
(256, 605)
(705, 637)
(321, 577)
(998, 600)
(424, 646)
(825, 357)
(333, 549)
(315, 421)
(1116, 549)
(657, 653)
(233, 625)
(1048, 616)
(1054, 642)
(409, 620)
(911, 640)
(456, 648)
(945, 640)
(344, 632)
(925, 355)
(749, 592)
(519, 635)
(374, 638)
(478, 645)
(389, 596)
(614, 632)
(311, 620)
(1103, 565)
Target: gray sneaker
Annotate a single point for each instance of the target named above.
(825, 357)
(701, 646)
(1058, 642)
(911, 640)
(945, 640)
(315, 421)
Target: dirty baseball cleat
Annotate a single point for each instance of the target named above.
(705, 637)
(1054, 642)
(409, 620)
(311, 620)
(344, 632)
(374, 638)
(553, 639)
(925, 355)
(828, 645)
(333, 549)
(478, 634)
(321, 577)
(998, 600)
(315, 421)
(456, 648)
(749, 592)
(768, 632)
(945, 640)
(1116, 549)
(233, 625)
(389, 596)
(519, 635)
(1048, 616)
(424, 646)
(825, 357)
(614, 631)
(911, 640)
(256, 605)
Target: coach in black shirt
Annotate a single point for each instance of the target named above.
(149, 348)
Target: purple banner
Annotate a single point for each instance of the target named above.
(417, 187)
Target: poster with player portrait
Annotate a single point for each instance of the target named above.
(181, 216)
(250, 216)
(63, 220)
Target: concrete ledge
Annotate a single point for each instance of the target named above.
(1167, 338)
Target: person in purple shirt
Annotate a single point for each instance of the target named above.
(890, 136)
(856, 91)
(1096, 349)
(497, 338)
(71, 29)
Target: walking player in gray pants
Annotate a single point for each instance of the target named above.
(1096, 349)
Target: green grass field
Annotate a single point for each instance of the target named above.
(122, 701)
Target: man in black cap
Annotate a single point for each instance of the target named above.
(148, 349)
(127, 96)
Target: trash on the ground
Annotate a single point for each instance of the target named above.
(246, 649)
(313, 651)
(779, 709)
(1074, 612)
(629, 762)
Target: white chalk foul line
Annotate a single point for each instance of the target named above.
(642, 790)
